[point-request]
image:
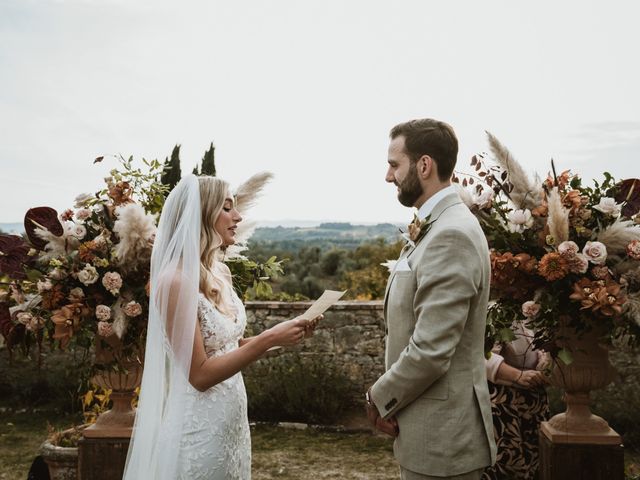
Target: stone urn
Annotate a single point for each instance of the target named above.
(589, 370)
(122, 379)
(62, 461)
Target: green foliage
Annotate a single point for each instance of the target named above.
(297, 388)
(313, 266)
(208, 162)
(250, 278)
(171, 172)
(145, 185)
(53, 384)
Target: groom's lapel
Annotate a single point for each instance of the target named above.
(448, 201)
(403, 254)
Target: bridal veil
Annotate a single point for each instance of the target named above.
(175, 270)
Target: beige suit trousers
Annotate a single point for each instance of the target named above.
(409, 475)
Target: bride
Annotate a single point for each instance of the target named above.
(191, 421)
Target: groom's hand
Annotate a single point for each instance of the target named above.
(390, 426)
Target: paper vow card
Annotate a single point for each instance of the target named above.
(322, 304)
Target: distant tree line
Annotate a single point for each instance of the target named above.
(314, 267)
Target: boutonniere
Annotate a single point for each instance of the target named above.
(419, 228)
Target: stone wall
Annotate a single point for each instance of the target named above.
(351, 337)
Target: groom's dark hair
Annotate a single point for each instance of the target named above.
(427, 136)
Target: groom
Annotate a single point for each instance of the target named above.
(433, 396)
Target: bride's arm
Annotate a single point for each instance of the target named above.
(206, 372)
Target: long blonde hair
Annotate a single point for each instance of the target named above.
(215, 279)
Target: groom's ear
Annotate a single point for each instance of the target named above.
(426, 167)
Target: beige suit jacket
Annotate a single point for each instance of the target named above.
(435, 315)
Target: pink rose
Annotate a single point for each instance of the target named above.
(568, 249)
(103, 313)
(530, 309)
(633, 249)
(105, 329)
(112, 281)
(83, 214)
(132, 309)
(596, 252)
(579, 264)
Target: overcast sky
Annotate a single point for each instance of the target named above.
(308, 90)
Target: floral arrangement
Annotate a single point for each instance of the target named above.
(562, 254)
(84, 274)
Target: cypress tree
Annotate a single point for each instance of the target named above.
(208, 162)
(171, 173)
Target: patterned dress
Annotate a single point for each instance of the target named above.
(517, 414)
(216, 444)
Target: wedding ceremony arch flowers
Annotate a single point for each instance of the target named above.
(563, 254)
(84, 273)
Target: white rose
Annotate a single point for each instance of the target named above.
(530, 309)
(103, 312)
(44, 285)
(77, 231)
(519, 220)
(608, 206)
(88, 275)
(596, 252)
(24, 318)
(484, 199)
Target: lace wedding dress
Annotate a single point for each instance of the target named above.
(216, 443)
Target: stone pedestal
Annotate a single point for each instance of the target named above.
(560, 460)
(102, 458)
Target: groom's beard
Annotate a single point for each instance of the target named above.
(410, 188)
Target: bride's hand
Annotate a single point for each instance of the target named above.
(311, 326)
(288, 333)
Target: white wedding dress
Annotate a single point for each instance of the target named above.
(216, 442)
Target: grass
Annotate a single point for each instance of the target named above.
(21, 435)
(278, 453)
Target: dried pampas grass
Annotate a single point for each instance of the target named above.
(525, 193)
(56, 246)
(247, 193)
(246, 196)
(558, 219)
(619, 235)
(135, 229)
